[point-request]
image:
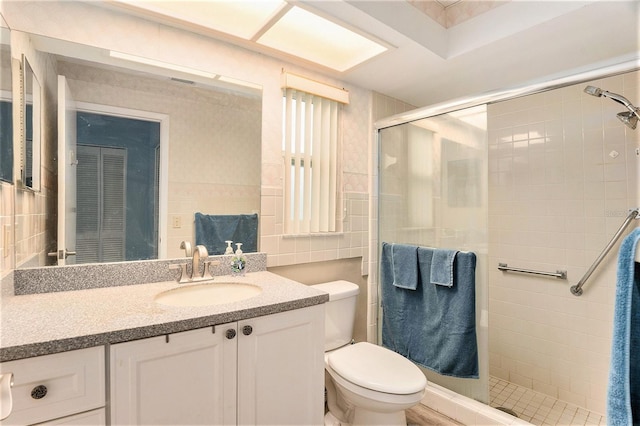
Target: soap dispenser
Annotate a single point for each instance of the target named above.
(229, 249)
(238, 261)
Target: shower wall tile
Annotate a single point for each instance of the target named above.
(563, 175)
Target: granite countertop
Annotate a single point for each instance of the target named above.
(41, 324)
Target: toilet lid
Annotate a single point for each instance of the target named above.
(377, 368)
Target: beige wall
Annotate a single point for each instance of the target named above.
(333, 270)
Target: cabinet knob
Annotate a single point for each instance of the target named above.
(231, 333)
(247, 330)
(39, 392)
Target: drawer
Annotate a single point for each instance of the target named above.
(53, 386)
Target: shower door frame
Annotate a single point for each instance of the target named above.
(626, 65)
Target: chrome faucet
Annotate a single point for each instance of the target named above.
(186, 246)
(198, 253)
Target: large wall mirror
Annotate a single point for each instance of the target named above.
(143, 148)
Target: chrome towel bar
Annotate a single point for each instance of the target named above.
(576, 290)
(558, 274)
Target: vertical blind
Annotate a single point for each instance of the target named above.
(310, 156)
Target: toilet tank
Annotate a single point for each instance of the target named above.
(340, 312)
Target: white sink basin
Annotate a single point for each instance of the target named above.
(214, 293)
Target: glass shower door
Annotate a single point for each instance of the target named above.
(433, 193)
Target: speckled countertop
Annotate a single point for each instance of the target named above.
(40, 324)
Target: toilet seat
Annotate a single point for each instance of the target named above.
(362, 365)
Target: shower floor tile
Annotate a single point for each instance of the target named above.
(537, 408)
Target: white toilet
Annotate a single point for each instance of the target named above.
(366, 384)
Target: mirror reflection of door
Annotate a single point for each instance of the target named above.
(66, 175)
(117, 188)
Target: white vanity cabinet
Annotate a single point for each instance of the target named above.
(281, 368)
(264, 370)
(64, 389)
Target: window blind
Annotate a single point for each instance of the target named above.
(310, 155)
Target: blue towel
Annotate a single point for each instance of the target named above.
(623, 394)
(434, 326)
(442, 267)
(404, 261)
(213, 230)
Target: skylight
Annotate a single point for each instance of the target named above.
(272, 23)
(316, 39)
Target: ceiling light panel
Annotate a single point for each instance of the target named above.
(160, 64)
(316, 39)
(240, 18)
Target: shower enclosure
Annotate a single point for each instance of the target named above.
(539, 178)
(433, 193)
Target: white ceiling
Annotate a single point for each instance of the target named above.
(514, 44)
(517, 43)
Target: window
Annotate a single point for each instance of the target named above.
(310, 147)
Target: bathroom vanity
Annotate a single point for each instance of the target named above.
(253, 361)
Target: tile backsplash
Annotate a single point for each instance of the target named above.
(98, 275)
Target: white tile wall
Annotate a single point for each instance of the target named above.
(6, 226)
(562, 176)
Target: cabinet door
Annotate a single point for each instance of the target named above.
(183, 378)
(281, 368)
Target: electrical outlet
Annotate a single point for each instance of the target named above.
(177, 221)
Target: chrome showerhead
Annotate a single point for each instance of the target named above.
(596, 91)
(630, 117)
(593, 91)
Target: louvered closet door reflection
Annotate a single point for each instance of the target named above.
(112, 234)
(101, 192)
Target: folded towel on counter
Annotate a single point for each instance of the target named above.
(442, 267)
(404, 264)
(435, 325)
(213, 230)
(623, 393)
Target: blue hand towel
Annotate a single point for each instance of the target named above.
(404, 261)
(623, 394)
(434, 326)
(442, 267)
(213, 230)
